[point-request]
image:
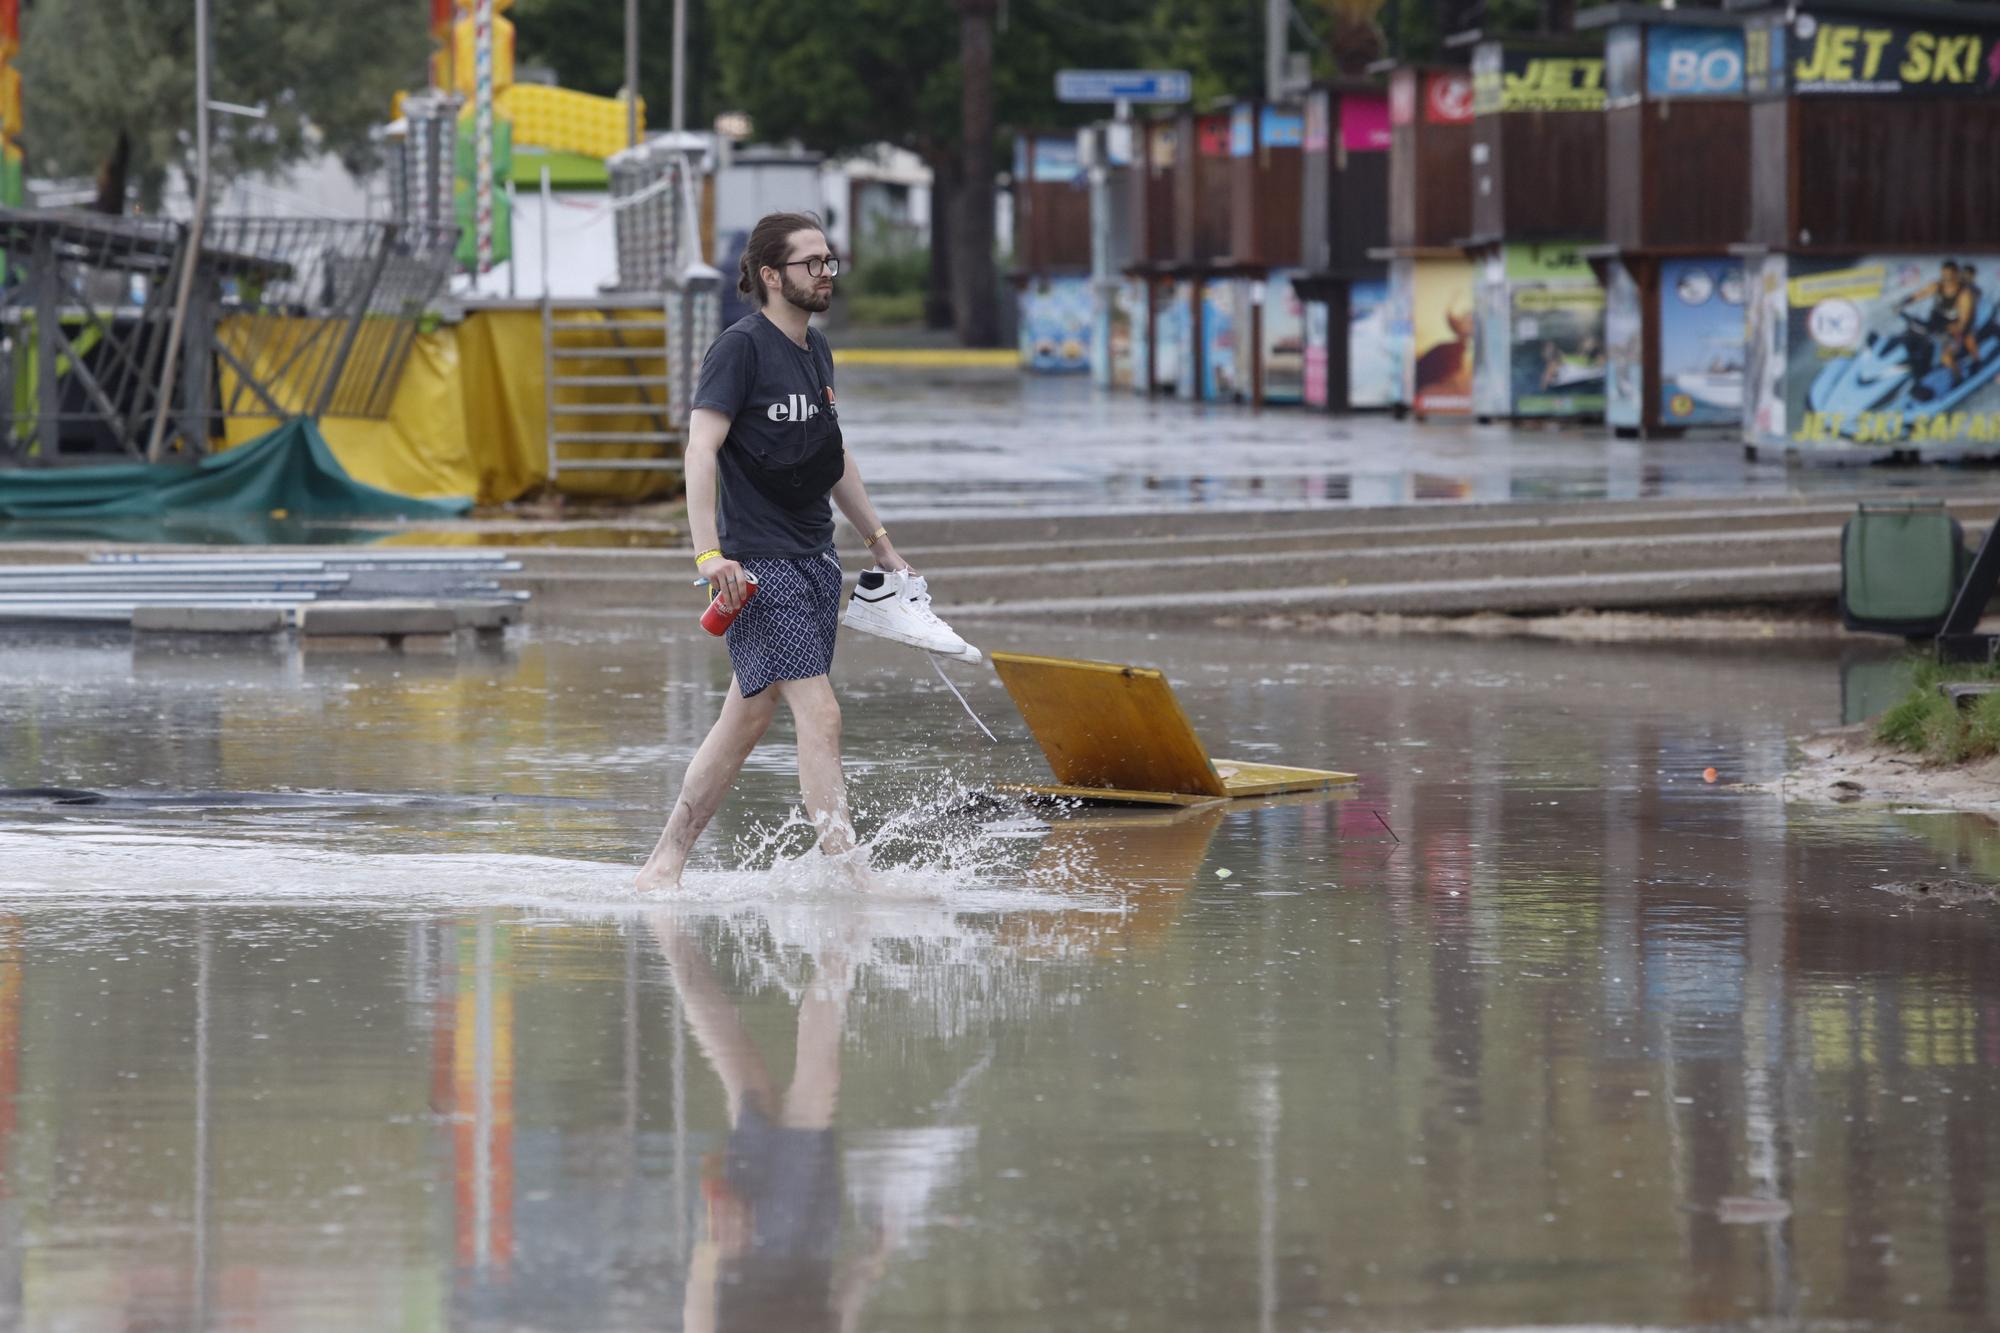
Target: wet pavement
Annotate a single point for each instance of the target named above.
(983, 443)
(334, 1011)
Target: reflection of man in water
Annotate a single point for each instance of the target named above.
(1954, 304)
(774, 1191)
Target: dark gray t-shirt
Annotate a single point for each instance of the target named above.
(778, 397)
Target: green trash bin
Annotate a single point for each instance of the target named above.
(1900, 566)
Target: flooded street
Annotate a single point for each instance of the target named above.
(336, 1011)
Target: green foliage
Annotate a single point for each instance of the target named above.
(92, 69)
(885, 308)
(1924, 721)
(890, 272)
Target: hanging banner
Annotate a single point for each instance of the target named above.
(1447, 98)
(1888, 58)
(1693, 62)
(1509, 79)
(1364, 123)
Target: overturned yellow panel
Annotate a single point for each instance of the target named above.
(1118, 733)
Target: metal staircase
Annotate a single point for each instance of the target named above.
(632, 374)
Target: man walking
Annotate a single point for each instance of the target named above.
(764, 464)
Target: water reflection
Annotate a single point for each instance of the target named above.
(772, 1192)
(1539, 1027)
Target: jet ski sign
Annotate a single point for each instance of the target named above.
(1897, 351)
(1834, 56)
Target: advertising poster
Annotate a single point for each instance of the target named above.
(1170, 333)
(1765, 354)
(1694, 62)
(1624, 385)
(1284, 340)
(1701, 342)
(1447, 98)
(1056, 320)
(1555, 354)
(1314, 387)
(1127, 334)
(1442, 337)
(1894, 350)
(1220, 376)
(1512, 78)
(1374, 347)
(1278, 127)
(1492, 368)
(1364, 123)
(1839, 56)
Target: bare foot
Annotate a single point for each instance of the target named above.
(852, 867)
(655, 880)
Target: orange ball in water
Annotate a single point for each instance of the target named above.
(1708, 775)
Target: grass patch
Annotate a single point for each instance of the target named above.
(1925, 722)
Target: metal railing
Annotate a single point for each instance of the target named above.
(285, 317)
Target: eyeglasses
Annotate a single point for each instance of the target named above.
(818, 265)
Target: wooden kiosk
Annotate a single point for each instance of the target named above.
(1343, 222)
(1266, 176)
(1431, 317)
(1873, 261)
(1677, 197)
(1537, 203)
(1159, 333)
(1051, 274)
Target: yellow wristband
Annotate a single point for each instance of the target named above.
(700, 559)
(875, 536)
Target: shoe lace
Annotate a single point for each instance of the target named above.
(918, 594)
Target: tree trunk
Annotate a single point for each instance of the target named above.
(975, 289)
(944, 221)
(111, 177)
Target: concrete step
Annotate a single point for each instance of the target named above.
(1662, 589)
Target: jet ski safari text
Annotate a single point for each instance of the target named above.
(1899, 428)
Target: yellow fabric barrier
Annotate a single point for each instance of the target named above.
(468, 415)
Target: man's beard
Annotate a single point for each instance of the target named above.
(805, 298)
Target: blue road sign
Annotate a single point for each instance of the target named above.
(1123, 85)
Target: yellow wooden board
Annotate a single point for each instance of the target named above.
(1104, 725)
(1117, 733)
(1112, 794)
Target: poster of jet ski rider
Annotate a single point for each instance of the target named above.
(1895, 350)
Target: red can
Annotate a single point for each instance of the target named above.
(717, 621)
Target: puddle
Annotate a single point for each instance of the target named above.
(341, 1011)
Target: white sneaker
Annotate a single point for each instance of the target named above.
(897, 607)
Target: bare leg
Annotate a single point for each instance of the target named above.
(815, 1086)
(718, 1029)
(715, 766)
(816, 715)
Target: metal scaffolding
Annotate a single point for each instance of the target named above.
(286, 317)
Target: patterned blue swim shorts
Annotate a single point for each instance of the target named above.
(786, 631)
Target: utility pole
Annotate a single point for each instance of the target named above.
(632, 72)
(163, 402)
(679, 121)
(1277, 13)
(975, 283)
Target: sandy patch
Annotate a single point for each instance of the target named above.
(1848, 765)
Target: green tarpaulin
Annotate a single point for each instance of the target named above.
(290, 469)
